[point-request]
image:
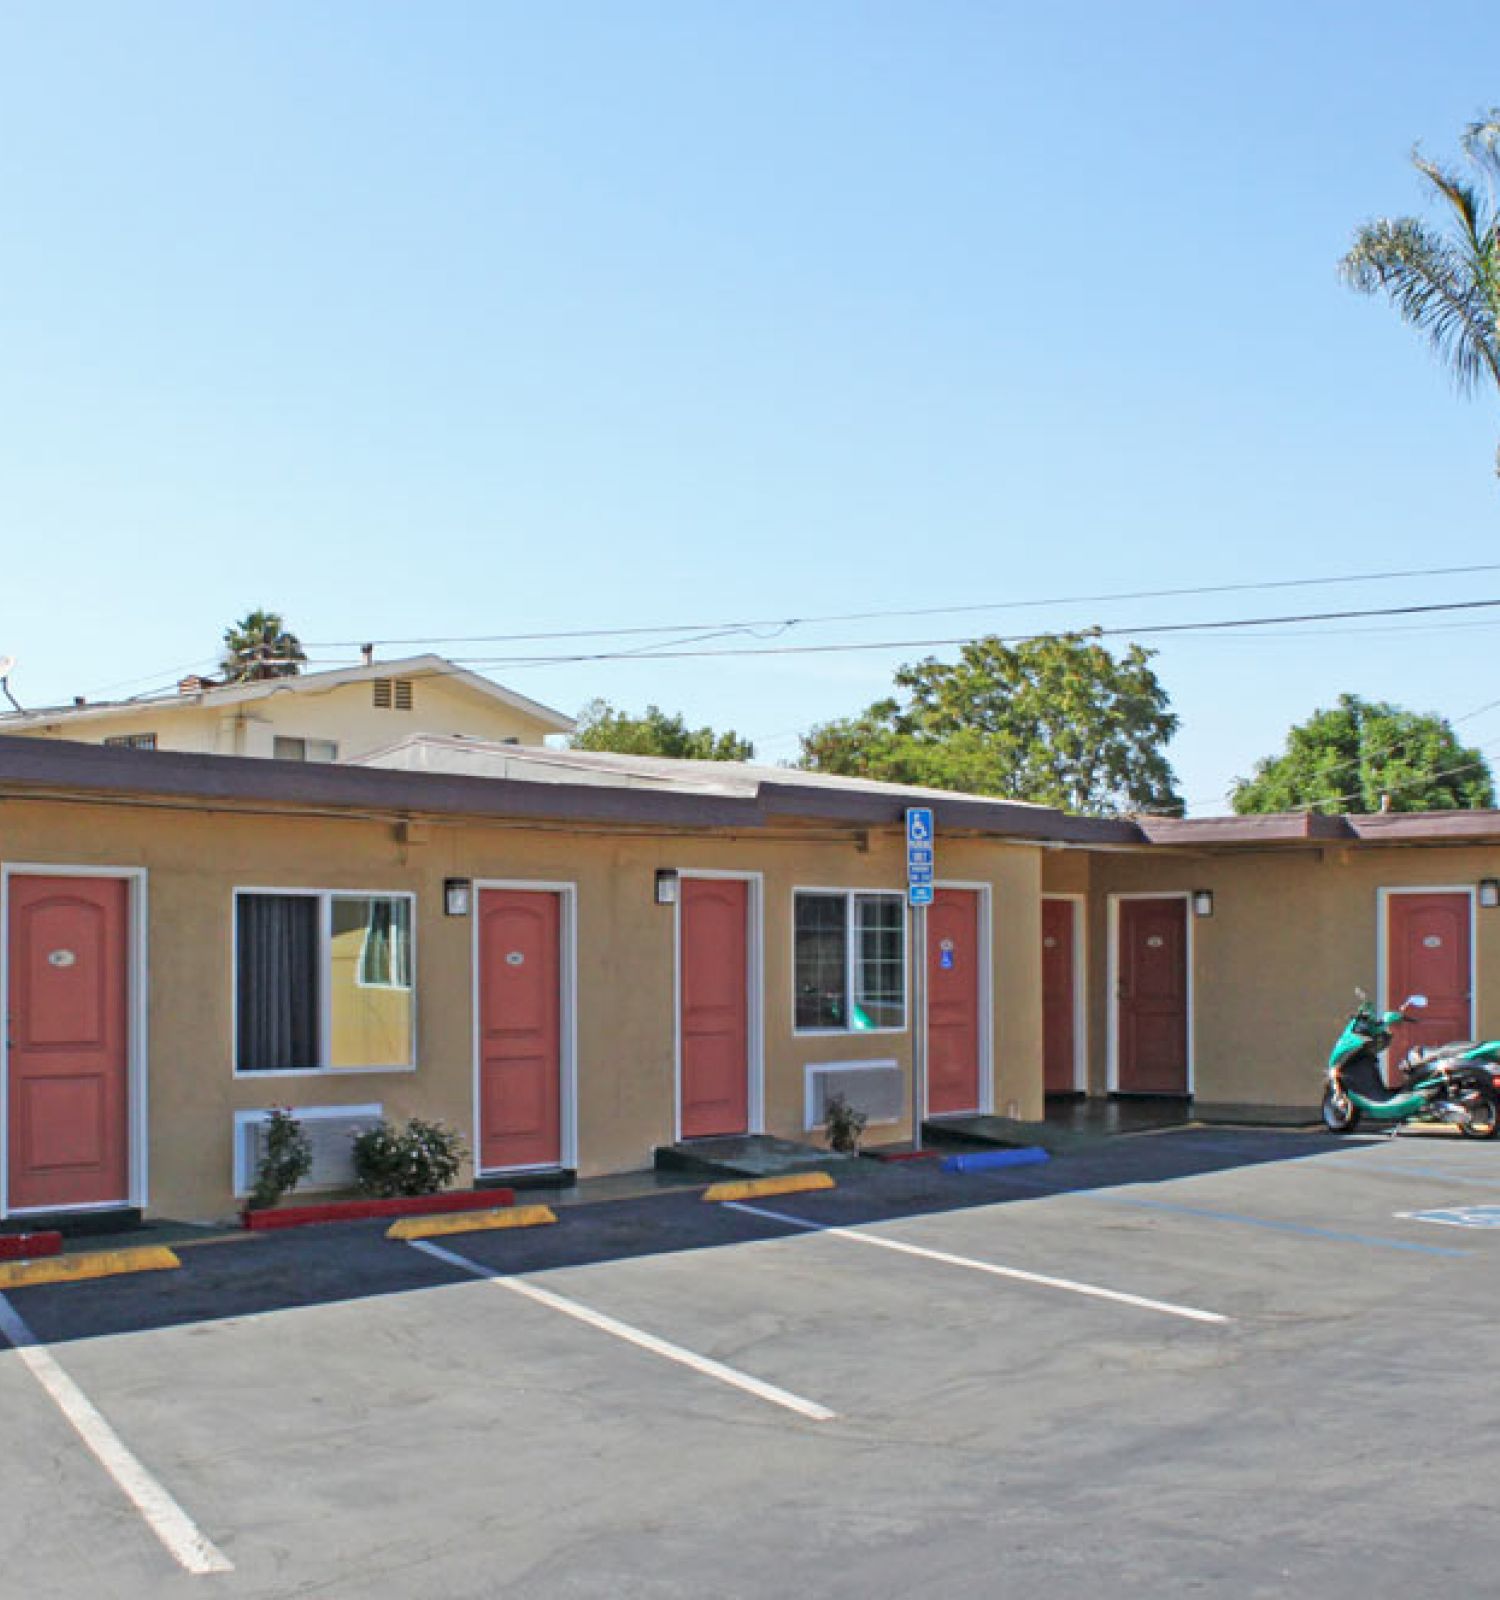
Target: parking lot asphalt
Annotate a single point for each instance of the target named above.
(1201, 1362)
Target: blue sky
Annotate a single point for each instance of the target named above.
(462, 319)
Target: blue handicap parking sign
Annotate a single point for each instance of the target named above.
(920, 856)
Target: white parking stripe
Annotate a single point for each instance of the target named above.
(166, 1519)
(636, 1336)
(1092, 1290)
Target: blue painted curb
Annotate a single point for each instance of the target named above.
(983, 1160)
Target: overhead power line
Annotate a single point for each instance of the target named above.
(1140, 631)
(1221, 626)
(782, 623)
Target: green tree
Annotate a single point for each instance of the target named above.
(602, 727)
(1445, 280)
(258, 646)
(1351, 757)
(1059, 721)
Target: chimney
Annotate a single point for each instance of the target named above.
(194, 683)
(368, 652)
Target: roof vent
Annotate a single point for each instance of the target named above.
(392, 694)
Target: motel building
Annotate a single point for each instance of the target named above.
(581, 960)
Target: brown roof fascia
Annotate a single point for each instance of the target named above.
(56, 764)
(955, 816)
(1426, 827)
(1282, 827)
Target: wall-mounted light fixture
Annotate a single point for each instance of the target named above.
(458, 894)
(1489, 891)
(1203, 902)
(666, 886)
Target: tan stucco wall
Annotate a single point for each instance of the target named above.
(196, 858)
(346, 715)
(1275, 967)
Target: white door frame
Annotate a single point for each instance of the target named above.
(1113, 975)
(1080, 964)
(755, 986)
(137, 1053)
(1383, 898)
(567, 983)
(986, 895)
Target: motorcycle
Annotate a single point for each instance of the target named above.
(1454, 1083)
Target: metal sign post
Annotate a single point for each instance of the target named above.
(920, 864)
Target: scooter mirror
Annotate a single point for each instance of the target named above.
(1417, 1000)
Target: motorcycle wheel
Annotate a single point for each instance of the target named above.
(1484, 1118)
(1340, 1114)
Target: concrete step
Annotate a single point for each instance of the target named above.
(1003, 1133)
(755, 1155)
(77, 1224)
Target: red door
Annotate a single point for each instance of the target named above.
(1152, 997)
(953, 952)
(714, 1018)
(520, 1012)
(1059, 1000)
(69, 1033)
(1428, 938)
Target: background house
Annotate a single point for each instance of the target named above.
(312, 716)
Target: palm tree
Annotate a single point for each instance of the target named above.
(258, 647)
(1445, 280)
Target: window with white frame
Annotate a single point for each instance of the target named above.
(324, 980)
(849, 958)
(288, 749)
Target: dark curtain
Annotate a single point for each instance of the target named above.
(278, 982)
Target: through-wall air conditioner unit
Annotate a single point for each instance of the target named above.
(330, 1131)
(878, 1088)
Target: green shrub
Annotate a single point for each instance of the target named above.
(285, 1160)
(844, 1125)
(420, 1158)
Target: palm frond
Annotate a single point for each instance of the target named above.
(1433, 286)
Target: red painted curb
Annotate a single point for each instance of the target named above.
(356, 1210)
(29, 1246)
(906, 1155)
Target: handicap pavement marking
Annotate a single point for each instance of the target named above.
(1457, 1216)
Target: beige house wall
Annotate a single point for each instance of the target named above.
(196, 857)
(346, 714)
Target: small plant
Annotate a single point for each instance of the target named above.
(420, 1158)
(844, 1125)
(285, 1159)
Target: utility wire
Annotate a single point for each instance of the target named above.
(1147, 630)
(924, 611)
(1220, 626)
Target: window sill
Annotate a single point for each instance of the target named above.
(844, 1033)
(317, 1072)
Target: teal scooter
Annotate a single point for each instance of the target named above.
(1455, 1083)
